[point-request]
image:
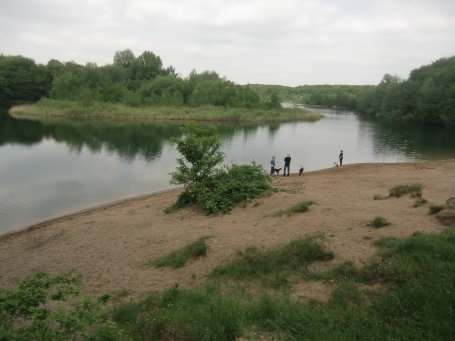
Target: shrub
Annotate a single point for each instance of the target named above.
(232, 185)
(379, 197)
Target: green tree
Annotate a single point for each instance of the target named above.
(124, 58)
(146, 66)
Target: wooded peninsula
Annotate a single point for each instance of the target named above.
(141, 87)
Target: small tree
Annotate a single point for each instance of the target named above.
(200, 147)
(214, 188)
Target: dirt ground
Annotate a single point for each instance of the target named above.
(110, 244)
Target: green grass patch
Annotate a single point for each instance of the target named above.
(420, 202)
(434, 209)
(278, 262)
(302, 206)
(414, 189)
(379, 197)
(178, 258)
(379, 222)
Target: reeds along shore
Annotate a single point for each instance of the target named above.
(46, 107)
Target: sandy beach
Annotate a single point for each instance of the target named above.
(110, 244)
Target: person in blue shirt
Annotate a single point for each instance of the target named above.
(272, 165)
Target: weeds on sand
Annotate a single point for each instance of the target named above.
(379, 197)
(178, 258)
(414, 189)
(302, 206)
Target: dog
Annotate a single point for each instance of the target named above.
(335, 164)
(276, 170)
(300, 170)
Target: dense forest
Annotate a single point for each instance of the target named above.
(428, 95)
(130, 80)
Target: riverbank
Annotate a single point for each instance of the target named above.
(54, 108)
(110, 244)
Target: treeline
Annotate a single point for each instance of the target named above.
(339, 96)
(427, 96)
(134, 81)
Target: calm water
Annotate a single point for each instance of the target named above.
(60, 166)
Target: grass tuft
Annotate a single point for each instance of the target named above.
(178, 258)
(302, 206)
(414, 189)
(379, 222)
(420, 202)
(434, 209)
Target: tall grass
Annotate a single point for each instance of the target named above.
(418, 302)
(47, 107)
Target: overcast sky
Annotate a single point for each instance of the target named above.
(287, 42)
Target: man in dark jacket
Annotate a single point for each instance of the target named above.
(287, 164)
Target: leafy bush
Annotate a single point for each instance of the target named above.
(32, 311)
(232, 185)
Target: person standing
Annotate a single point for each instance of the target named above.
(287, 164)
(341, 158)
(272, 165)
